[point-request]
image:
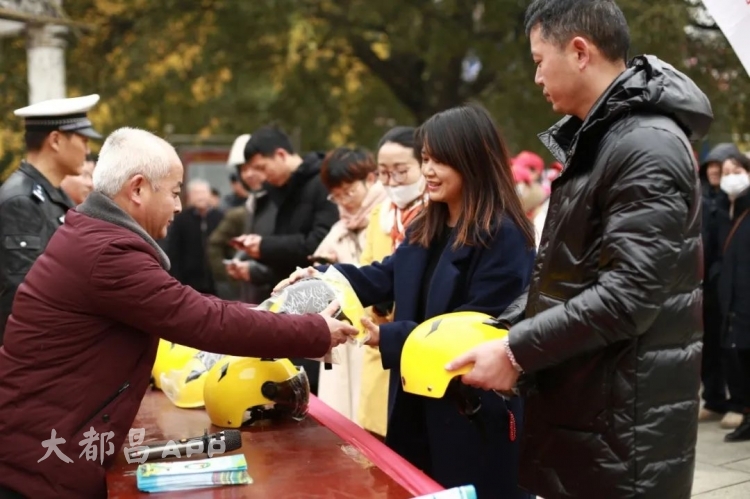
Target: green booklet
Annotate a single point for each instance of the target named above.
(195, 474)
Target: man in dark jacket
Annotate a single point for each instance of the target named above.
(257, 216)
(611, 344)
(32, 204)
(304, 214)
(86, 324)
(187, 241)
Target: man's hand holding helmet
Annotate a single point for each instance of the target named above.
(340, 331)
(493, 368)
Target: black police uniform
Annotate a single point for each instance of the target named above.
(31, 210)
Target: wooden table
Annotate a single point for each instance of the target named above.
(285, 460)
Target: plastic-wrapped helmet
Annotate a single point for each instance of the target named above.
(170, 357)
(313, 295)
(184, 386)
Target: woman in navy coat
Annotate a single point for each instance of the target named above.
(470, 249)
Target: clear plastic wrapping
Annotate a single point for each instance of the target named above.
(184, 387)
(313, 295)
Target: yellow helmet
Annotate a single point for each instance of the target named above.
(241, 391)
(314, 294)
(184, 386)
(170, 356)
(436, 342)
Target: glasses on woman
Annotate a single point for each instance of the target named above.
(399, 176)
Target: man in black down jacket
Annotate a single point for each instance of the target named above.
(611, 343)
(304, 214)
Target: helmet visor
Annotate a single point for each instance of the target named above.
(291, 397)
(467, 400)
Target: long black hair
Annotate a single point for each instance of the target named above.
(466, 139)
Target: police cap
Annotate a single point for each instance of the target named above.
(64, 115)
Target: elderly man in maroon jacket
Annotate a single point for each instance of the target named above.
(83, 334)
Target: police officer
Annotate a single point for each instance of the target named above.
(32, 205)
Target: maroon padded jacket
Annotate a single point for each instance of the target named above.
(82, 338)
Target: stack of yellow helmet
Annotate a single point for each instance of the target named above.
(170, 357)
(436, 342)
(241, 391)
(184, 386)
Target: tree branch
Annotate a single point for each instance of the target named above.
(402, 78)
(402, 73)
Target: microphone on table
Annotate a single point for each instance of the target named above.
(215, 443)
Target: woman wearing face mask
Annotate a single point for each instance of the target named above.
(734, 178)
(399, 171)
(734, 279)
(349, 176)
(471, 248)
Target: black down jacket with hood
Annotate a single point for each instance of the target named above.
(611, 343)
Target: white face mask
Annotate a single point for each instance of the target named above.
(734, 183)
(403, 195)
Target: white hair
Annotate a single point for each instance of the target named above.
(128, 152)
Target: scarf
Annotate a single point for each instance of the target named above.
(99, 206)
(358, 220)
(397, 220)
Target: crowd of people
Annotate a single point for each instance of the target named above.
(725, 369)
(592, 264)
(346, 205)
